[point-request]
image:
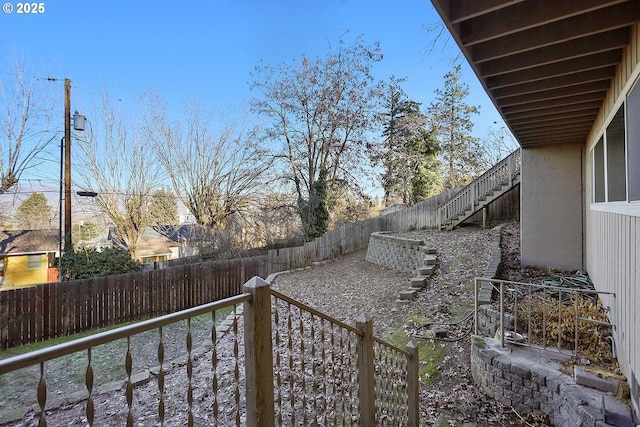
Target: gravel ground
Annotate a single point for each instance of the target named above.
(345, 288)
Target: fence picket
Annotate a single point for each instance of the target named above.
(57, 309)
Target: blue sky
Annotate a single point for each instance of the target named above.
(207, 49)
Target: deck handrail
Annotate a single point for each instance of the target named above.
(502, 173)
(39, 356)
(373, 378)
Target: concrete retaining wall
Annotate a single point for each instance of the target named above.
(402, 254)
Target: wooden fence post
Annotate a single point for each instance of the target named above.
(366, 379)
(413, 386)
(258, 354)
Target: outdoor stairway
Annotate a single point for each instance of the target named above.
(423, 273)
(498, 180)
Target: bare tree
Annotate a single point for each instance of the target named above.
(496, 145)
(24, 125)
(215, 167)
(322, 111)
(118, 163)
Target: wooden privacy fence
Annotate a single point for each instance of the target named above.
(354, 236)
(52, 310)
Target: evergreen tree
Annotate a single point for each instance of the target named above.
(451, 120)
(163, 209)
(34, 212)
(426, 180)
(314, 212)
(84, 231)
(408, 151)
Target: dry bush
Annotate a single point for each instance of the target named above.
(559, 317)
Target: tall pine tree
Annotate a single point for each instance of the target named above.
(408, 151)
(451, 121)
(34, 212)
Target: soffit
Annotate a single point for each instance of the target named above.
(546, 64)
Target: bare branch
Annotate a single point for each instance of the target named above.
(118, 163)
(24, 125)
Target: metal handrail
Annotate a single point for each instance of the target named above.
(559, 289)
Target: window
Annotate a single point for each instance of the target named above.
(598, 172)
(34, 262)
(616, 163)
(609, 162)
(633, 142)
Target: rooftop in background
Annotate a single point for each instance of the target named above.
(28, 241)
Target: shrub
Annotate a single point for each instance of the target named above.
(87, 263)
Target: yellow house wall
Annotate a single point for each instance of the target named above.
(17, 274)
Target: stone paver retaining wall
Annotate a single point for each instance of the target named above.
(489, 320)
(531, 381)
(398, 253)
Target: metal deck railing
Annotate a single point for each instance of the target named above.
(560, 312)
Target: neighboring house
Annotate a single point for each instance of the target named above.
(185, 238)
(564, 76)
(154, 246)
(27, 257)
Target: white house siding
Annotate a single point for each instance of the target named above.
(613, 251)
(612, 234)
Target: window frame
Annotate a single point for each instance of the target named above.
(31, 260)
(627, 206)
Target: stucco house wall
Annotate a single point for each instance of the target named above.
(551, 206)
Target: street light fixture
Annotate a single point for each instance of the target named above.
(87, 193)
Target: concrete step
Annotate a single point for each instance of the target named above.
(418, 282)
(430, 259)
(588, 379)
(408, 294)
(401, 303)
(427, 270)
(427, 250)
(484, 294)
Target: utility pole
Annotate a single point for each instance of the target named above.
(67, 160)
